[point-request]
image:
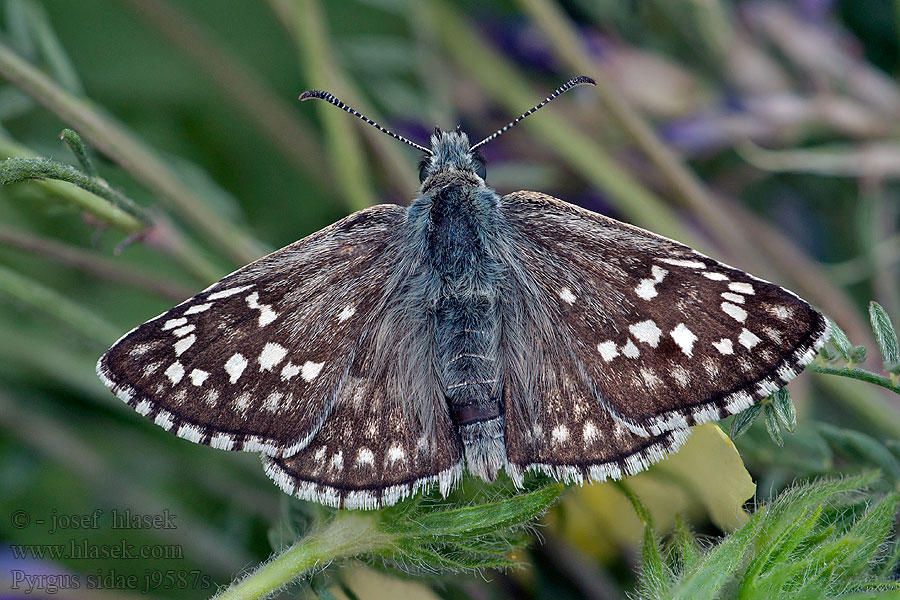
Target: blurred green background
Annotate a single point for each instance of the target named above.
(762, 133)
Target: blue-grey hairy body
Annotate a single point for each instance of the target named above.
(400, 347)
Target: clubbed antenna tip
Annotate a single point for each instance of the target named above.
(327, 97)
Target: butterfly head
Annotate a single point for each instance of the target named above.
(451, 151)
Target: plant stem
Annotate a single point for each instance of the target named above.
(857, 373)
(351, 533)
(306, 24)
(175, 244)
(84, 200)
(143, 163)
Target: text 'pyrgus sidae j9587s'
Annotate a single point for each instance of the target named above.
(401, 346)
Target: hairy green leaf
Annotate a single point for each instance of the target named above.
(885, 335)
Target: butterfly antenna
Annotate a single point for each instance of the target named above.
(558, 91)
(333, 100)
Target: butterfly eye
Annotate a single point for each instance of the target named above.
(423, 168)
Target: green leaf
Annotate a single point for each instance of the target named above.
(772, 425)
(884, 333)
(872, 529)
(839, 340)
(654, 575)
(684, 547)
(858, 354)
(79, 149)
(784, 409)
(480, 518)
(720, 564)
(743, 420)
(777, 551)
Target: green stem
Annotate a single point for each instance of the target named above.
(84, 200)
(15, 170)
(304, 20)
(50, 301)
(860, 374)
(173, 243)
(114, 140)
(501, 81)
(350, 534)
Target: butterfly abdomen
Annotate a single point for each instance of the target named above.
(461, 222)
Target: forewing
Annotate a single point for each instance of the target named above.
(661, 335)
(372, 451)
(256, 361)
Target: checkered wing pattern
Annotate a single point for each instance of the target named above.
(257, 361)
(657, 335)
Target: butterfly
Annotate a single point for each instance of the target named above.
(402, 346)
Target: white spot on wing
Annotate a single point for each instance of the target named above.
(741, 287)
(212, 396)
(559, 434)
(175, 372)
(646, 288)
(781, 312)
(395, 453)
(773, 334)
(690, 264)
(199, 308)
(630, 350)
(235, 367)
(724, 346)
(650, 378)
(567, 296)
(748, 339)
(225, 293)
(266, 314)
(184, 330)
(271, 355)
(607, 350)
(681, 375)
(198, 377)
(290, 370)
(173, 323)
(589, 434)
(184, 343)
(736, 298)
(273, 401)
(311, 369)
(715, 276)
(348, 312)
(684, 337)
(242, 402)
(734, 311)
(365, 457)
(647, 332)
